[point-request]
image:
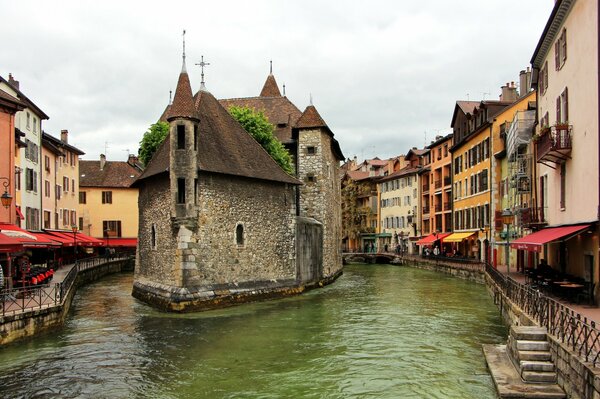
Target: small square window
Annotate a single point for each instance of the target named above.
(311, 178)
(311, 150)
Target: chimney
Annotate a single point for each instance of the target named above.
(509, 92)
(64, 136)
(524, 82)
(132, 160)
(14, 83)
(102, 161)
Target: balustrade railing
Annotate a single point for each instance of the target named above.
(566, 325)
(21, 299)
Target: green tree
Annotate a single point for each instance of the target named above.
(259, 127)
(152, 139)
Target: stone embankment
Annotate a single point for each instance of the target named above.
(36, 317)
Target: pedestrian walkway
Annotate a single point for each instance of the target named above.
(590, 312)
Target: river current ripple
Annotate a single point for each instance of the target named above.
(378, 332)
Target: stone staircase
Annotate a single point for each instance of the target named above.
(529, 351)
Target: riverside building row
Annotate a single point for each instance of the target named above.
(517, 180)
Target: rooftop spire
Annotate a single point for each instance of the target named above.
(183, 64)
(310, 99)
(270, 88)
(271, 67)
(202, 64)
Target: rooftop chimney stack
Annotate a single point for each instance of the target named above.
(509, 92)
(64, 136)
(132, 159)
(102, 161)
(14, 83)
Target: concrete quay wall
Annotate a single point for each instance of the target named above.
(579, 379)
(467, 271)
(36, 321)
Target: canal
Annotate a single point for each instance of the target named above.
(379, 332)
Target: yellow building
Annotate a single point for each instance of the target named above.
(108, 206)
(477, 131)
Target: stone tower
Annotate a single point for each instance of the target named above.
(319, 157)
(183, 122)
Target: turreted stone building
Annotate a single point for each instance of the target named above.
(221, 222)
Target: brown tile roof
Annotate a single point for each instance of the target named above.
(61, 144)
(11, 102)
(310, 118)
(183, 103)
(225, 147)
(270, 88)
(399, 173)
(280, 111)
(163, 117)
(116, 174)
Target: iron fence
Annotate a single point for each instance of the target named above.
(22, 299)
(569, 327)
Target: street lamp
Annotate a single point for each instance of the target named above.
(74, 228)
(6, 197)
(107, 241)
(486, 228)
(507, 219)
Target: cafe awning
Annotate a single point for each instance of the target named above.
(27, 238)
(431, 238)
(458, 237)
(534, 241)
(9, 244)
(120, 242)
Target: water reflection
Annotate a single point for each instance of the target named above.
(379, 331)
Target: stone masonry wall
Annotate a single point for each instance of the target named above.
(267, 213)
(321, 199)
(156, 264)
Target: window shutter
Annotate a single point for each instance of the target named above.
(564, 45)
(545, 76)
(566, 104)
(557, 54)
(558, 119)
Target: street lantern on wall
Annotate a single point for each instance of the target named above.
(6, 197)
(507, 219)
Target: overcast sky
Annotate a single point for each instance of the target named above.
(384, 75)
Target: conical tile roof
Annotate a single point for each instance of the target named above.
(183, 103)
(270, 89)
(310, 118)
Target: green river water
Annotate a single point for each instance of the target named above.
(378, 332)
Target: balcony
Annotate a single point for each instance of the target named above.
(438, 184)
(447, 181)
(426, 211)
(438, 207)
(425, 188)
(554, 146)
(533, 217)
(447, 206)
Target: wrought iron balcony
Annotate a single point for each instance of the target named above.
(438, 184)
(438, 207)
(426, 211)
(425, 188)
(554, 145)
(533, 217)
(447, 181)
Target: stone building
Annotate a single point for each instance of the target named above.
(220, 222)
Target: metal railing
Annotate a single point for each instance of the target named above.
(22, 299)
(554, 144)
(566, 325)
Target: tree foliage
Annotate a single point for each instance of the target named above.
(152, 139)
(259, 127)
(354, 214)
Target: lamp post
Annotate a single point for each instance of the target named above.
(6, 197)
(487, 242)
(74, 228)
(507, 219)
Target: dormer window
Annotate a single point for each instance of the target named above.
(180, 137)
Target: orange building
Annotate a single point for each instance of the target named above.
(9, 105)
(437, 187)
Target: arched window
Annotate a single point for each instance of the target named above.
(153, 238)
(239, 234)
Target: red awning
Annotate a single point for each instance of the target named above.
(42, 237)
(9, 244)
(88, 241)
(431, 238)
(62, 237)
(27, 238)
(534, 241)
(120, 242)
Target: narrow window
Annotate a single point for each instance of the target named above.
(181, 191)
(180, 137)
(107, 197)
(153, 237)
(195, 191)
(195, 137)
(239, 234)
(82, 197)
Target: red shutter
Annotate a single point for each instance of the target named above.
(566, 104)
(564, 45)
(558, 119)
(557, 54)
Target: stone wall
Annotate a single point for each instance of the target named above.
(156, 263)
(266, 212)
(321, 199)
(309, 250)
(473, 272)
